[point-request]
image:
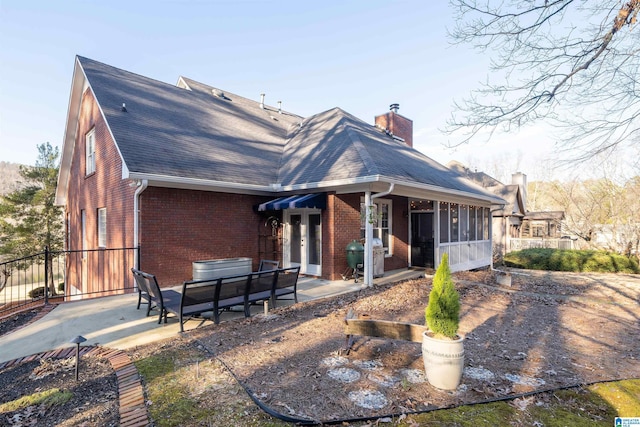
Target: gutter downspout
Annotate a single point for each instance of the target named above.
(141, 185)
(368, 234)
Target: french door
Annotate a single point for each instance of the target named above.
(303, 242)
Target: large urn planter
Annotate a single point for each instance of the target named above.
(443, 361)
(442, 347)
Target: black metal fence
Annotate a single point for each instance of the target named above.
(64, 275)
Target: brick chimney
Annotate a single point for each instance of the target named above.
(396, 124)
(520, 179)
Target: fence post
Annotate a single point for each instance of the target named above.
(46, 275)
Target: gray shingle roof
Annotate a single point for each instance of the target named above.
(172, 131)
(195, 133)
(337, 145)
(509, 193)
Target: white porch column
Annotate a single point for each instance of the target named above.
(368, 234)
(368, 241)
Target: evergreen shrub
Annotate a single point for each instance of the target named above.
(443, 310)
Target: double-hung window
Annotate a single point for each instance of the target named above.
(90, 152)
(102, 227)
(381, 220)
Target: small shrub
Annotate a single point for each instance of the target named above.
(61, 286)
(443, 310)
(36, 292)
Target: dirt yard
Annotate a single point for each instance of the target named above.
(547, 330)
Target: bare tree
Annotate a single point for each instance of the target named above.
(572, 63)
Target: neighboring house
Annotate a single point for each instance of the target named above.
(514, 227)
(189, 172)
(542, 225)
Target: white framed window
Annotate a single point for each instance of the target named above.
(381, 218)
(102, 227)
(90, 152)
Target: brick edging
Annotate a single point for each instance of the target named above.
(133, 411)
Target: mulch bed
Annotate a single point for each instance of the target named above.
(546, 331)
(516, 342)
(93, 399)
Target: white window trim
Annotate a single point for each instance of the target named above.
(378, 224)
(90, 152)
(102, 227)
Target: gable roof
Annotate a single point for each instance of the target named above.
(197, 136)
(511, 193)
(481, 178)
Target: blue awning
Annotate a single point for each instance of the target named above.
(316, 201)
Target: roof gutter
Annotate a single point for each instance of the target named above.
(368, 233)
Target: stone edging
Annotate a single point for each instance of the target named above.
(133, 411)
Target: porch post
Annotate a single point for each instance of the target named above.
(368, 241)
(368, 234)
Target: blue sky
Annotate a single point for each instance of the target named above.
(360, 56)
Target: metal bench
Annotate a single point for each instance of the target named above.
(163, 299)
(216, 295)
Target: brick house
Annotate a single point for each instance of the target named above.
(190, 172)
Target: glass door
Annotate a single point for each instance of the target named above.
(422, 239)
(303, 246)
(314, 246)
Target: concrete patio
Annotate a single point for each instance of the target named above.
(116, 323)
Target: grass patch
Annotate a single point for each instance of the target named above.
(187, 387)
(171, 401)
(572, 261)
(596, 405)
(486, 415)
(623, 396)
(49, 398)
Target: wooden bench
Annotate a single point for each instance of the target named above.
(216, 295)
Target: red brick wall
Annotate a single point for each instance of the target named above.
(398, 125)
(342, 225)
(181, 226)
(102, 189)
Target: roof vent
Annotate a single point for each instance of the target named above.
(394, 107)
(218, 93)
(124, 107)
(279, 107)
(262, 101)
